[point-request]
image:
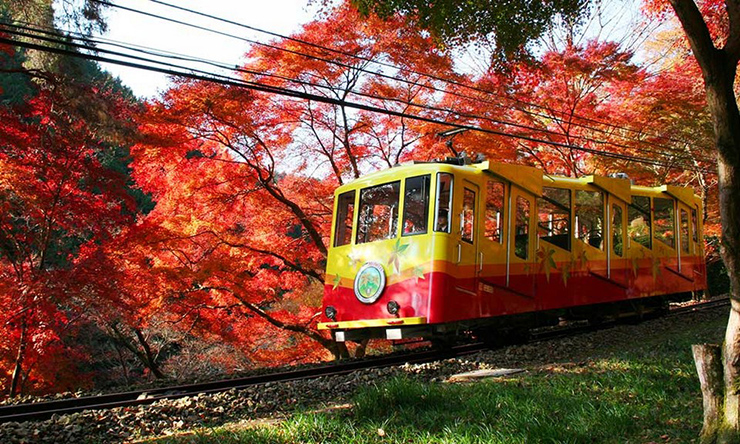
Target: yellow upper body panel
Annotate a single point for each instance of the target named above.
(405, 256)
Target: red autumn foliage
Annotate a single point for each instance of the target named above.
(57, 196)
(234, 249)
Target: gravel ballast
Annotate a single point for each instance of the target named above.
(274, 400)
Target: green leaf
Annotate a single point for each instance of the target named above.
(337, 280)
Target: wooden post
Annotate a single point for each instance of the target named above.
(708, 360)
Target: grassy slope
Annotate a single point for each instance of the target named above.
(643, 392)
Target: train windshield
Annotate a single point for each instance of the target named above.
(553, 223)
(638, 220)
(664, 224)
(416, 205)
(378, 218)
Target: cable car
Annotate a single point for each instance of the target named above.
(434, 249)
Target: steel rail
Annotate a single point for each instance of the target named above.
(45, 410)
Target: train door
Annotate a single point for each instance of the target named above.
(466, 253)
(520, 270)
(492, 247)
(619, 267)
(590, 249)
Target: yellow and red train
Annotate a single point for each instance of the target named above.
(433, 249)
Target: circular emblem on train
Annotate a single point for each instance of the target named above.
(369, 282)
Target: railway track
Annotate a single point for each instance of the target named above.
(45, 410)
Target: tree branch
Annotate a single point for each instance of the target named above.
(698, 34)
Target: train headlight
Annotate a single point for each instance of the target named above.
(393, 307)
(331, 313)
(369, 282)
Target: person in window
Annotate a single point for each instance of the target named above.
(408, 227)
(442, 221)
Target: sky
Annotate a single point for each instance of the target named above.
(279, 16)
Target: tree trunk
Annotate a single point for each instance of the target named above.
(718, 68)
(18, 369)
(151, 362)
(145, 357)
(708, 359)
(723, 106)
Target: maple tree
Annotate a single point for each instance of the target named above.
(230, 245)
(247, 179)
(63, 185)
(57, 195)
(558, 98)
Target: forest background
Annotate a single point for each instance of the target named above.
(187, 234)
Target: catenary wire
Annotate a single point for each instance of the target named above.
(256, 86)
(449, 81)
(386, 64)
(157, 53)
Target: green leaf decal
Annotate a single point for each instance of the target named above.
(395, 259)
(336, 281)
(566, 273)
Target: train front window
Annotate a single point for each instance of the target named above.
(694, 225)
(444, 203)
(378, 217)
(665, 230)
(553, 223)
(416, 205)
(494, 210)
(638, 221)
(345, 214)
(590, 218)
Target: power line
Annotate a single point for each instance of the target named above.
(369, 60)
(92, 42)
(256, 86)
(381, 63)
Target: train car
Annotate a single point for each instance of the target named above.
(434, 249)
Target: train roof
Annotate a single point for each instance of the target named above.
(530, 178)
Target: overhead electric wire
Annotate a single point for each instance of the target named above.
(271, 89)
(449, 81)
(381, 63)
(157, 53)
(225, 80)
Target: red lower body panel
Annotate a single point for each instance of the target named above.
(441, 297)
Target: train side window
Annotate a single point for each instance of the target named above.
(467, 223)
(345, 216)
(617, 230)
(694, 225)
(416, 205)
(521, 239)
(553, 224)
(638, 219)
(665, 226)
(684, 231)
(590, 217)
(378, 217)
(444, 203)
(494, 210)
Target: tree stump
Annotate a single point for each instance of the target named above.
(708, 360)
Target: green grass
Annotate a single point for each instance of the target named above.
(647, 392)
